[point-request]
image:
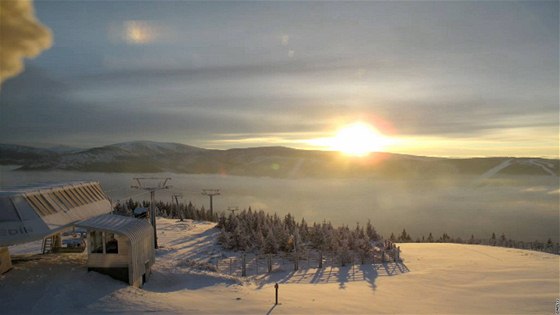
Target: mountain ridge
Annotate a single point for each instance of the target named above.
(271, 161)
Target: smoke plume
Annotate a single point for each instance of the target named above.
(21, 36)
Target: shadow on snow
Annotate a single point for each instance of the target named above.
(332, 274)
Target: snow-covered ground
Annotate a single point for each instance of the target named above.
(435, 278)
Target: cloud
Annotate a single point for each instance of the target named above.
(21, 36)
(285, 39)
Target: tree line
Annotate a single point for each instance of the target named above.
(266, 233)
(492, 240)
(168, 210)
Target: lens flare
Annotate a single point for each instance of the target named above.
(355, 139)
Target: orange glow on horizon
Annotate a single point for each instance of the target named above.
(355, 139)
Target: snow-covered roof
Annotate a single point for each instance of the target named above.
(31, 212)
(35, 187)
(132, 228)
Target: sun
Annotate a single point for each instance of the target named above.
(358, 139)
(139, 32)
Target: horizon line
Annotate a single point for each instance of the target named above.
(49, 146)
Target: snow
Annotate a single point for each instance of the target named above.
(547, 167)
(435, 278)
(495, 170)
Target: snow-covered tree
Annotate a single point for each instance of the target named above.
(270, 244)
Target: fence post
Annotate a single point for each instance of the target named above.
(230, 270)
(320, 259)
(257, 264)
(243, 266)
(269, 261)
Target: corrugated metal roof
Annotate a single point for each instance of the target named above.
(135, 229)
(139, 235)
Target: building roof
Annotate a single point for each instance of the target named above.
(32, 212)
(38, 186)
(132, 228)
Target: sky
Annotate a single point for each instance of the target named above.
(458, 79)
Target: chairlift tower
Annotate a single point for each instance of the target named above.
(152, 184)
(176, 198)
(211, 193)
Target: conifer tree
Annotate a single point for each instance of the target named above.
(430, 238)
(371, 233)
(270, 244)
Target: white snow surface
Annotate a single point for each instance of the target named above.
(434, 278)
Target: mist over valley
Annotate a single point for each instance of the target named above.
(460, 197)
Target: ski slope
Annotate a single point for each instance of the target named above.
(435, 278)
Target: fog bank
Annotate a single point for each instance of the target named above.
(522, 207)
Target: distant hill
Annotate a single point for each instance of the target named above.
(19, 154)
(148, 157)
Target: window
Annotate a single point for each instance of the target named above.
(97, 188)
(90, 193)
(39, 203)
(50, 203)
(111, 244)
(85, 195)
(66, 203)
(103, 243)
(37, 206)
(47, 203)
(74, 192)
(96, 242)
(95, 192)
(57, 200)
(72, 201)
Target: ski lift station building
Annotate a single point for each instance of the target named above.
(121, 247)
(35, 212)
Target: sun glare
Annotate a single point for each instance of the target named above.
(139, 32)
(358, 139)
